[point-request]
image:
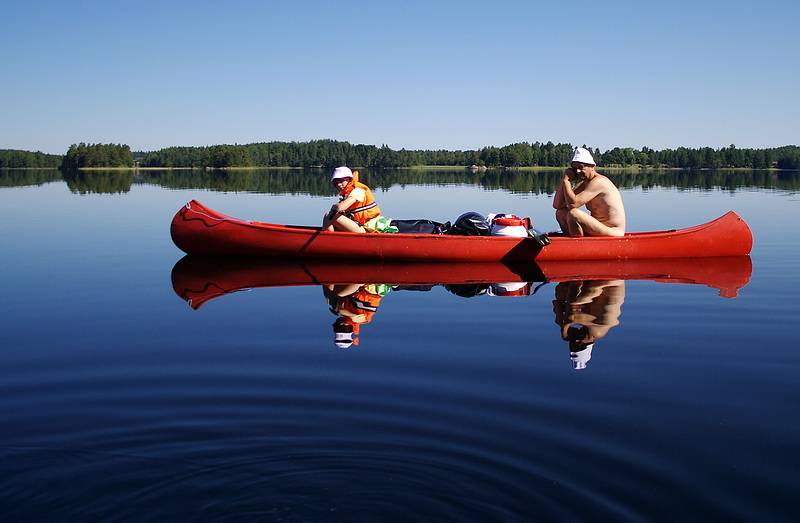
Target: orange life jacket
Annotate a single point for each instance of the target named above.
(363, 304)
(361, 212)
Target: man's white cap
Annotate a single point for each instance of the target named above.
(581, 358)
(341, 172)
(583, 155)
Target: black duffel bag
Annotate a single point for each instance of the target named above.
(420, 226)
(471, 224)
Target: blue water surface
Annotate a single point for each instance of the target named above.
(122, 402)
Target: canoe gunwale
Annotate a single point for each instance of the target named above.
(727, 235)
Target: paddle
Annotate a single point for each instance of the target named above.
(330, 216)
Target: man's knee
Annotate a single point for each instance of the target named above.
(575, 214)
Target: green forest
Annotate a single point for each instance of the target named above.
(97, 155)
(330, 153)
(16, 159)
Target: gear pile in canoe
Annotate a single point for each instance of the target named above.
(197, 229)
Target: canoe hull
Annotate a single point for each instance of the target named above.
(198, 279)
(197, 229)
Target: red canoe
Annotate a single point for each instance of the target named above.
(196, 229)
(198, 279)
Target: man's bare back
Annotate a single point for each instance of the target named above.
(600, 196)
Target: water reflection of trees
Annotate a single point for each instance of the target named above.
(99, 182)
(26, 177)
(546, 181)
(294, 181)
(315, 181)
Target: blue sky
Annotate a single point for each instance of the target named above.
(455, 75)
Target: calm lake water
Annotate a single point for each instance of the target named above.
(121, 400)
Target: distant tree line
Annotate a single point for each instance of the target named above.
(787, 157)
(97, 155)
(16, 159)
(330, 153)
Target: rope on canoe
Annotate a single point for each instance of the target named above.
(189, 207)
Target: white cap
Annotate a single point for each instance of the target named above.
(583, 155)
(341, 172)
(343, 340)
(582, 357)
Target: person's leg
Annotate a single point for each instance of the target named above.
(567, 219)
(346, 289)
(584, 224)
(326, 223)
(343, 223)
(562, 216)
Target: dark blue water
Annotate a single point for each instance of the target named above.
(120, 401)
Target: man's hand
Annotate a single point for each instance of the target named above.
(574, 176)
(577, 176)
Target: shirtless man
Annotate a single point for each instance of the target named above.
(599, 194)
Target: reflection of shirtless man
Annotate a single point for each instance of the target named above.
(596, 305)
(599, 194)
(586, 311)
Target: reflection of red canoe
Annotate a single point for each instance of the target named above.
(198, 279)
(196, 229)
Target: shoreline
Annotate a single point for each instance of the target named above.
(529, 168)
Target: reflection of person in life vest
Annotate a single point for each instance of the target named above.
(356, 210)
(344, 333)
(355, 305)
(586, 311)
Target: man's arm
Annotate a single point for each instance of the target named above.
(576, 200)
(558, 198)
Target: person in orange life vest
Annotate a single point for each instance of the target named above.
(355, 305)
(356, 210)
